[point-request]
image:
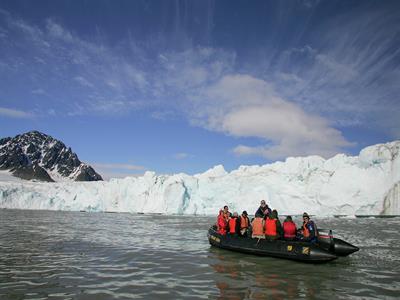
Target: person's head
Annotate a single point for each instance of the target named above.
(225, 208)
(221, 212)
(273, 215)
(262, 203)
(288, 219)
(244, 213)
(258, 216)
(235, 214)
(306, 217)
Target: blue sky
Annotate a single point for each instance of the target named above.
(181, 86)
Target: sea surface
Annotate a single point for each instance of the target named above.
(78, 255)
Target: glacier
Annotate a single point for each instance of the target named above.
(367, 184)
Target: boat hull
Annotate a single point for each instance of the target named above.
(294, 250)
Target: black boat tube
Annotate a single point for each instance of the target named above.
(343, 248)
(294, 250)
(335, 245)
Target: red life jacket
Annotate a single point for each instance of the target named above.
(244, 222)
(232, 225)
(258, 226)
(289, 229)
(221, 222)
(270, 227)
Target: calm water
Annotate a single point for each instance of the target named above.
(71, 255)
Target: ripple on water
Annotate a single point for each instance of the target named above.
(64, 255)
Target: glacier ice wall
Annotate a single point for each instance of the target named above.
(365, 184)
(391, 203)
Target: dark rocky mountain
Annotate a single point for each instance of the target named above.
(35, 155)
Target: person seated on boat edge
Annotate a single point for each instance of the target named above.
(273, 227)
(263, 210)
(221, 223)
(258, 227)
(234, 224)
(309, 229)
(289, 229)
(244, 224)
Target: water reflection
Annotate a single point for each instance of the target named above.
(248, 277)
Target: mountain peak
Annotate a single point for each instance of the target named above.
(36, 155)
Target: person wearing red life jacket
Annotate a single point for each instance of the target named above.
(258, 227)
(273, 227)
(234, 224)
(289, 229)
(221, 223)
(244, 223)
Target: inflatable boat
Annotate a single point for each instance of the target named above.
(327, 248)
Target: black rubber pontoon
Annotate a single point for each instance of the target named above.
(335, 245)
(295, 250)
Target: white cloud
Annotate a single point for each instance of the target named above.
(107, 175)
(338, 72)
(38, 91)
(51, 112)
(57, 31)
(83, 81)
(186, 71)
(14, 113)
(163, 115)
(118, 166)
(244, 106)
(308, 87)
(113, 80)
(114, 170)
(181, 155)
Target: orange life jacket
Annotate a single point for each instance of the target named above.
(270, 227)
(306, 232)
(289, 229)
(244, 222)
(258, 226)
(227, 215)
(232, 225)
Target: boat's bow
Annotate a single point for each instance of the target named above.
(343, 248)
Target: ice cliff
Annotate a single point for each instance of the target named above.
(368, 184)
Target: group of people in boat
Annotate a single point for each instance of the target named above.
(265, 225)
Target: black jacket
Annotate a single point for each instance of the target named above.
(260, 211)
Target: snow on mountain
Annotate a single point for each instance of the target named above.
(365, 185)
(35, 155)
